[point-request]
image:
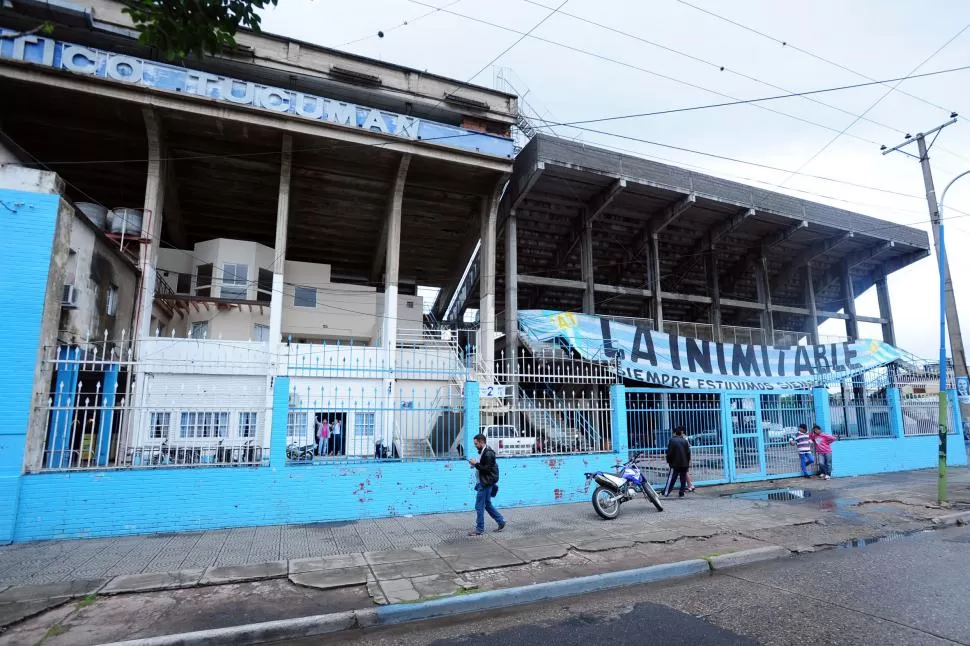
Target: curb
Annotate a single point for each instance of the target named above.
(303, 627)
(958, 518)
(748, 557)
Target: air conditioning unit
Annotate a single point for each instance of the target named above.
(69, 297)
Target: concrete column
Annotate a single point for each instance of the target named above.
(764, 297)
(618, 419)
(151, 224)
(848, 301)
(885, 309)
(392, 263)
(586, 262)
(511, 295)
(714, 291)
(658, 310)
(280, 406)
(273, 431)
(392, 267)
(279, 247)
(810, 305)
(823, 415)
(472, 416)
(647, 306)
(486, 287)
(895, 401)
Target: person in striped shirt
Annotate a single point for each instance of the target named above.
(803, 441)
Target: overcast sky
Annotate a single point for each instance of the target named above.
(881, 39)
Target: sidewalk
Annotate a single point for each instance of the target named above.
(256, 574)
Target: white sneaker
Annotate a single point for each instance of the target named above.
(828, 477)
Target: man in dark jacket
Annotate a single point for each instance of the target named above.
(486, 487)
(678, 457)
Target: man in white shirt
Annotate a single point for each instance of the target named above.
(338, 437)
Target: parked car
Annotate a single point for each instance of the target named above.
(506, 440)
(776, 433)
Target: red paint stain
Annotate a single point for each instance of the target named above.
(448, 466)
(552, 464)
(557, 493)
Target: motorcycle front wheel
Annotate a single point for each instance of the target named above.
(651, 494)
(605, 504)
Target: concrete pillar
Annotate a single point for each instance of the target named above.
(472, 416)
(586, 262)
(810, 305)
(271, 430)
(279, 247)
(618, 419)
(392, 263)
(280, 406)
(511, 295)
(823, 415)
(392, 267)
(885, 309)
(486, 285)
(657, 296)
(151, 224)
(848, 303)
(714, 291)
(894, 400)
(764, 297)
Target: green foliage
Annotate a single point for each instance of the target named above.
(180, 28)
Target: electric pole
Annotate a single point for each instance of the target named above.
(949, 318)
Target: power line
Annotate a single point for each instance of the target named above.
(789, 95)
(404, 23)
(874, 104)
(806, 52)
(721, 68)
(637, 68)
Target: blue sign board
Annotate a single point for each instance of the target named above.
(129, 70)
(683, 362)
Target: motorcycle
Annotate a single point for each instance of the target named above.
(615, 489)
(297, 453)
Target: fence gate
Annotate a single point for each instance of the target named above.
(746, 441)
(781, 415)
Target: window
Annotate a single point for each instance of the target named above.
(410, 305)
(111, 306)
(235, 283)
(203, 280)
(305, 297)
(200, 330)
(204, 424)
(247, 424)
(364, 424)
(264, 286)
(159, 425)
(261, 333)
(296, 426)
(183, 283)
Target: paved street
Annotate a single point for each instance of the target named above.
(908, 591)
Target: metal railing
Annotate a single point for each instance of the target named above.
(549, 422)
(781, 415)
(333, 424)
(921, 415)
(651, 419)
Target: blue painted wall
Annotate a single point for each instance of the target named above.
(28, 221)
(861, 457)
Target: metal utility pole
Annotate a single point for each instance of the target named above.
(948, 306)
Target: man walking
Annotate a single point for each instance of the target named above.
(486, 487)
(678, 457)
(823, 450)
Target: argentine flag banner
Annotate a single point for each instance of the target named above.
(656, 358)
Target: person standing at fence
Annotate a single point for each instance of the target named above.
(804, 444)
(486, 486)
(323, 436)
(336, 429)
(823, 450)
(678, 458)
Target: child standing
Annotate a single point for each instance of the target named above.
(823, 449)
(804, 444)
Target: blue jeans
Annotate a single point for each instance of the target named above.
(825, 464)
(806, 459)
(483, 503)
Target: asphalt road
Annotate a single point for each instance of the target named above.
(915, 590)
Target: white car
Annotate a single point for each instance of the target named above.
(506, 440)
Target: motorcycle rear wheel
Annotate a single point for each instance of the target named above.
(603, 503)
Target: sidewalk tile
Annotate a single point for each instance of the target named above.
(153, 581)
(399, 590)
(329, 579)
(241, 573)
(409, 569)
(78, 588)
(336, 562)
(421, 553)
